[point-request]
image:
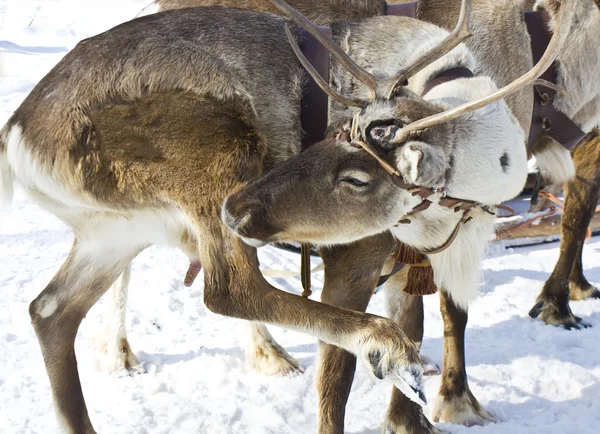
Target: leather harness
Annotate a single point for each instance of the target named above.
(545, 119)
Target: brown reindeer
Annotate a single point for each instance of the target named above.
(141, 148)
(345, 193)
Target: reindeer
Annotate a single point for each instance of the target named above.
(263, 354)
(142, 147)
(431, 173)
(578, 75)
(491, 19)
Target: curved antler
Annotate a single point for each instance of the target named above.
(332, 93)
(461, 32)
(531, 77)
(336, 51)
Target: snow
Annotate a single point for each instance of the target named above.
(534, 378)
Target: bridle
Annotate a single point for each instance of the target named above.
(385, 88)
(428, 195)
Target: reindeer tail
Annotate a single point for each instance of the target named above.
(553, 161)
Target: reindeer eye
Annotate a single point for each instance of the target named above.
(355, 182)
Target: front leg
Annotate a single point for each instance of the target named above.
(456, 403)
(234, 286)
(404, 416)
(351, 273)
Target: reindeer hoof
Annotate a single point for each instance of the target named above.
(425, 428)
(409, 419)
(461, 410)
(551, 314)
(389, 353)
(120, 360)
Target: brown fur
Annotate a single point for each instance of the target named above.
(174, 125)
(319, 12)
(567, 279)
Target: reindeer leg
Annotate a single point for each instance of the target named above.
(56, 313)
(403, 415)
(118, 354)
(351, 273)
(235, 287)
(266, 356)
(456, 403)
(581, 197)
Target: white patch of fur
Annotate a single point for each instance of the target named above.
(116, 359)
(48, 308)
(555, 163)
(457, 270)
(6, 178)
(409, 164)
(98, 226)
(482, 138)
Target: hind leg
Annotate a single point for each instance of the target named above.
(581, 197)
(118, 356)
(265, 355)
(56, 313)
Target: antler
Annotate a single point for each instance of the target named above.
(461, 32)
(336, 51)
(531, 77)
(380, 87)
(332, 93)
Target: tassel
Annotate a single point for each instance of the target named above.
(420, 279)
(420, 274)
(408, 256)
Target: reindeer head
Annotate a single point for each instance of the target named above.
(460, 141)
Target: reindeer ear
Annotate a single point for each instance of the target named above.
(382, 135)
(422, 164)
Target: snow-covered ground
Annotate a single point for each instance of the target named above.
(534, 378)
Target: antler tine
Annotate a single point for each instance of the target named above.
(317, 77)
(461, 32)
(556, 43)
(367, 78)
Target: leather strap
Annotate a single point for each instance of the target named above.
(445, 76)
(305, 270)
(402, 9)
(546, 119)
(314, 102)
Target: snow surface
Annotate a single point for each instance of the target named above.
(534, 378)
